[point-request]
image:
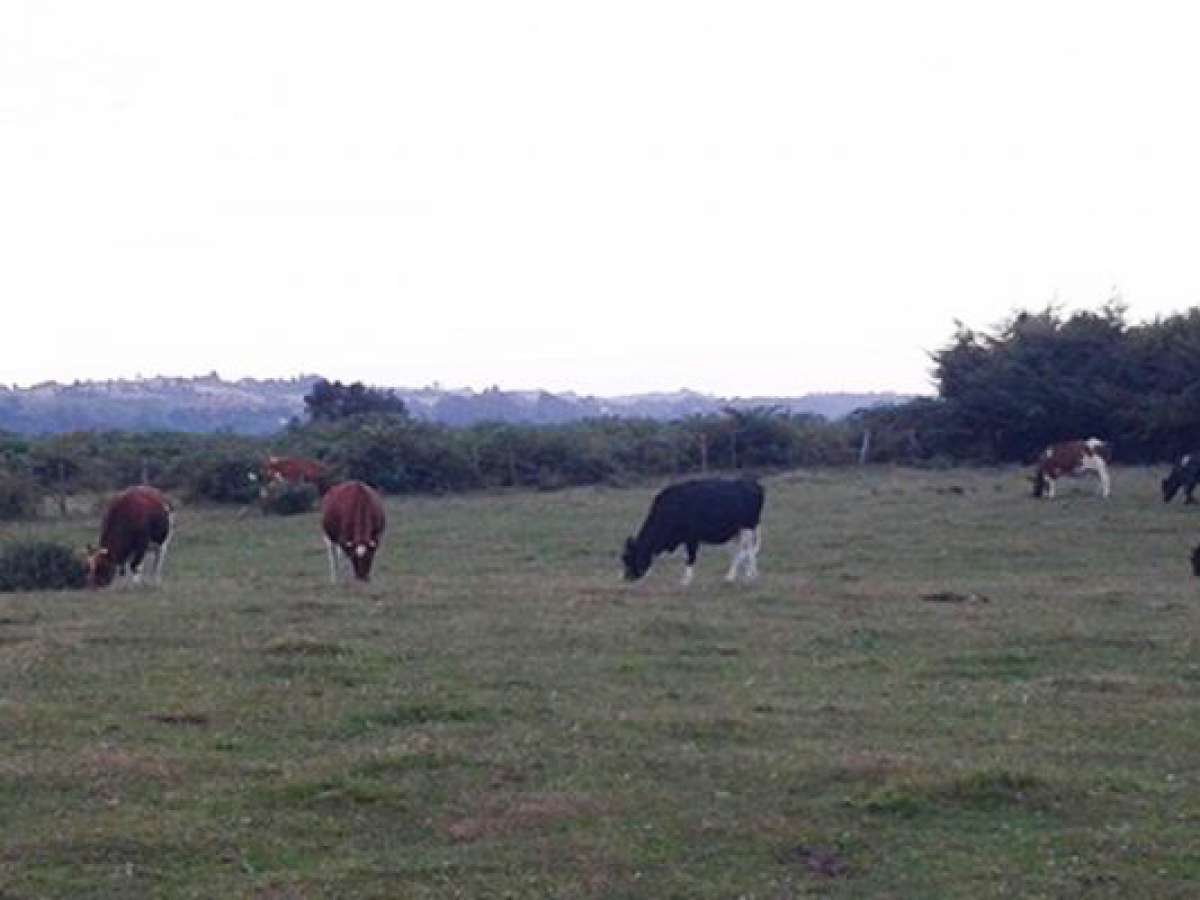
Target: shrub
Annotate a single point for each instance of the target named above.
(18, 497)
(40, 566)
(225, 480)
(284, 499)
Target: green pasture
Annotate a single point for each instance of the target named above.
(498, 715)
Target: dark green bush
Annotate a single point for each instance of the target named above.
(226, 480)
(40, 566)
(18, 497)
(283, 499)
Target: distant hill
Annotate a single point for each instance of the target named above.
(251, 406)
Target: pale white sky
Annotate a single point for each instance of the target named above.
(743, 198)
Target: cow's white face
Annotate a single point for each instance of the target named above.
(100, 568)
(361, 556)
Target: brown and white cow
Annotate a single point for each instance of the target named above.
(293, 470)
(353, 521)
(1072, 458)
(137, 520)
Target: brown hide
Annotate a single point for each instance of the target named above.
(135, 519)
(1065, 458)
(294, 470)
(352, 519)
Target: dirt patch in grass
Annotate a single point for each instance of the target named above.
(508, 816)
(178, 718)
(825, 862)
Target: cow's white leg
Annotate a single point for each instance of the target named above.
(754, 545)
(1105, 483)
(687, 576)
(738, 554)
(160, 556)
(333, 561)
(1049, 488)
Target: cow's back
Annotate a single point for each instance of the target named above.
(352, 511)
(711, 510)
(136, 516)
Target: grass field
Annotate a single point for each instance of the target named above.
(498, 715)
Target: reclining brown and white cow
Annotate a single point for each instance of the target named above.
(1072, 458)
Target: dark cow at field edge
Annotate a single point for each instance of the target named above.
(703, 511)
(1185, 474)
(137, 520)
(353, 521)
(1072, 458)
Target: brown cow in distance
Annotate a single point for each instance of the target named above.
(138, 519)
(353, 521)
(1072, 458)
(294, 470)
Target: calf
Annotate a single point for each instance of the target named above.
(1185, 474)
(353, 521)
(704, 511)
(138, 519)
(1072, 458)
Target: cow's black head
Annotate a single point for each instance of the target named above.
(1196, 560)
(636, 560)
(1171, 484)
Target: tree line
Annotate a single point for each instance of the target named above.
(1041, 376)
(1002, 395)
(367, 433)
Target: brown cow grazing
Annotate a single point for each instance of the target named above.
(138, 519)
(353, 521)
(1072, 458)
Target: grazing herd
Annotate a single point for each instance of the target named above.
(139, 520)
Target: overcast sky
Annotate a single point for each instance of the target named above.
(743, 198)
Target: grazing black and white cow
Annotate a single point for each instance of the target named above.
(1072, 458)
(703, 511)
(1185, 474)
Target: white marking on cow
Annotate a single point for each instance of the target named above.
(745, 555)
(1096, 464)
(160, 554)
(360, 551)
(333, 562)
(752, 568)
